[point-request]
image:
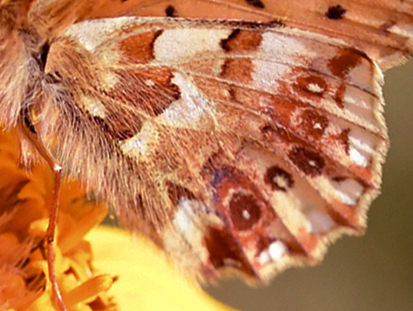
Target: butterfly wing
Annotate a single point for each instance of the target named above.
(234, 146)
(382, 29)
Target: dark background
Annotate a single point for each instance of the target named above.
(369, 273)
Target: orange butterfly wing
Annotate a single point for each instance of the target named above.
(382, 29)
(235, 145)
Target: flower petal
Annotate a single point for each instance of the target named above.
(146, 280)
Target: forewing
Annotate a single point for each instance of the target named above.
(382, 29)
(234, 146)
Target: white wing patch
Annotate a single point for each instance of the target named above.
(178, 45)
(142, 144)
(190, 109)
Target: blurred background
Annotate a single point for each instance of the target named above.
(369, 273)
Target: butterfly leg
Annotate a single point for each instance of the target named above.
(29, 131)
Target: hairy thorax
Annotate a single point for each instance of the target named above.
(24, 46)
(23, 54)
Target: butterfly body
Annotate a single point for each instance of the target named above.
(236, 146)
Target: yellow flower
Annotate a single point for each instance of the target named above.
(86, 268)
(146, 280)
(23, 222)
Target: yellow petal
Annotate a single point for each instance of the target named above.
(68, 240)
(43, 303)
(89, 289)
(147, 281)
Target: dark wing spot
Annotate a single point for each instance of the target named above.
(312, 84)
(314, 123)
(245, 211)
(242, 41)
(335, 12)
(257, 3)
(346, 60)
(225, 43)
(278, 178)
(309, 162)
(224, 250)
(170, 11)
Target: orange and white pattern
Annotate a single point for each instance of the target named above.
(240, 135)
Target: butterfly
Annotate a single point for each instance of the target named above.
(239, 135)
